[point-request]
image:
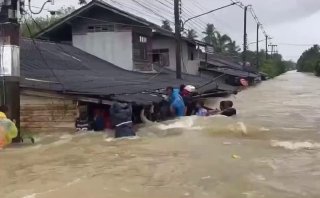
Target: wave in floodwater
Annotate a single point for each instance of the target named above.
(270, 149)
(290, 145)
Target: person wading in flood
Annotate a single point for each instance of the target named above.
(177, 105)
(121, 116)
(227, 108)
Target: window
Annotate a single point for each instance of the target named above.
(143, 39)
(101, 28)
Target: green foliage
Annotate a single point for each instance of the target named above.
(222, 43)
(273, 67)
(192, 34)
(166, 25)
(317, 69)
(309, 59)
(290, 65)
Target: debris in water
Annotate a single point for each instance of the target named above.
(236, 157)
(187, 194)
(207, 177)
(109, 139)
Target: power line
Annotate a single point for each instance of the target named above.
(130, 7)
(151, 10)
(41, 55)
(296, 44)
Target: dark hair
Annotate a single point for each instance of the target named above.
(226, 104)
(229, 112)
(229, 104)
(4, 108)
(169, 88)
(182, 87)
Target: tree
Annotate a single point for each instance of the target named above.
(166, 25)
(317, 69)
(222, 43)
(309, 59)
(290, 65)
(209, 32)
(82, 2)
(37, 24)
(192, 34)
(233, 48)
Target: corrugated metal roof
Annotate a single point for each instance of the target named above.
(65, 68)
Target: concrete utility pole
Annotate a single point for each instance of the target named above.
(258, 27)
(244, 55)
(267, 47)
(10, 59)
(273, 49)
(178, 37)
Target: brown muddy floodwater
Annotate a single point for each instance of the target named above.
(275, 155)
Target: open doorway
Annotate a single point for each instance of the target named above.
(160, 57)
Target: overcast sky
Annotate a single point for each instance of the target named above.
(293, 24)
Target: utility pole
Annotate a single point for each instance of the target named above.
(178, 37)
(273, 47)
(267, 47)
(244, 55)
(258, 27)
(10, 59)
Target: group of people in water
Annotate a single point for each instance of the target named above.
(182, 104)
(179, 102)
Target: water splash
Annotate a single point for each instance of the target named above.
(290, 145)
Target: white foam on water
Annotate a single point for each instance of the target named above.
(290, 145)
(30, 196)
(123, 138)
(183, 123)
(34, 195)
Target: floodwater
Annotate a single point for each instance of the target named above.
(272, 149)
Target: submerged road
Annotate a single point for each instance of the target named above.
(277, 156)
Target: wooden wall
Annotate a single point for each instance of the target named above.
(47, 114)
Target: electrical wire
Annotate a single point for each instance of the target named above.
(151, 10)
(41, 55)
(296, 44)
(41, 9)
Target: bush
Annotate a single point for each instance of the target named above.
(317, 69)
(273, 67)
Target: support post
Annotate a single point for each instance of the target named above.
(244, 55)
(10, 61)
(266, 47)
(177, 37)
(258, 62)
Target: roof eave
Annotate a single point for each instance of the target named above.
(83, 9)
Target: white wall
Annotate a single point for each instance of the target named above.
(164, 43)
(188, 66)
(114, 47)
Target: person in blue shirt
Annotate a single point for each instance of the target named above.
(177, 105)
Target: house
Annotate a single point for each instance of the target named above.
(164, 52)
(97, 55)
(107, 33)
(122, 39)
(59, 80)
(229, 70)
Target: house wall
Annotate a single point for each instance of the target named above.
(47, 114)
(114, 47)
(188, 66)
